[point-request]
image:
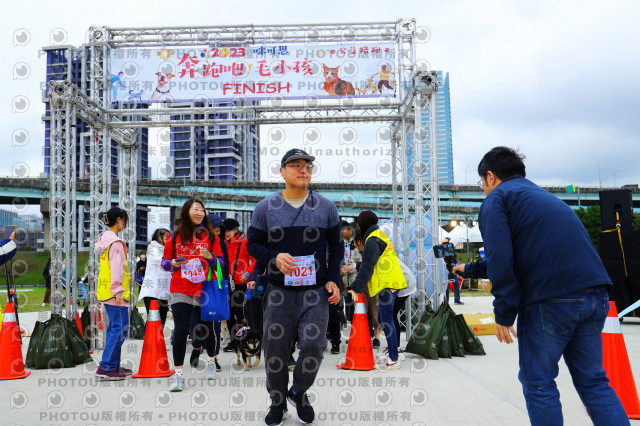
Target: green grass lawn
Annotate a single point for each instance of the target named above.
(30, 300)
(28, 267)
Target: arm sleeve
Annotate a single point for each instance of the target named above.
(258, 242)
(225, 258)
(370, 257)
(476, 269)
(117, 263)
(154, 257)
(494, 225)
(257, 270)
(168, 255)
(7, 250)
(244, 255)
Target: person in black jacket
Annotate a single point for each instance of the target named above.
(533, 242)
(46, 273)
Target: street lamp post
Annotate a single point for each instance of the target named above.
(599, 176)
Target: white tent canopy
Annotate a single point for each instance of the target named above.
(463, 234)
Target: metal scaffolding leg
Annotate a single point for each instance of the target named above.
(62, 200)
(128, 175)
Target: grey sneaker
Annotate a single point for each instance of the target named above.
(211, 370)
(178, 383)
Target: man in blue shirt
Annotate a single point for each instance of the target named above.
(545, 270)
(295, 237)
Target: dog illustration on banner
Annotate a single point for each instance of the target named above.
(162, 92)
(334, 85)
(369, 87)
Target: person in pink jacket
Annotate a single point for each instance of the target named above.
(113, 292)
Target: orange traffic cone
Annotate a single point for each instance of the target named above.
(616, 364)
(11, 363)
(359, 352)
(100, 318)
(13, 299)
(154, 361)
(78, 322)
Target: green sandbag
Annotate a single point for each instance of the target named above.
(444, 347)
(79, 349)
(136, 325)
(428, 313)
(34, 345)
(427, 335)
(457, 347)
(54, 351)
(472, 344)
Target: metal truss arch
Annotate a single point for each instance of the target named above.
(411, 159)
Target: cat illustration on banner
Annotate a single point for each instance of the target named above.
(334, 85)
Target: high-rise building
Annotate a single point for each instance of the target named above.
(73, 64)
(29, 229)
(212, 153)
(443, 132)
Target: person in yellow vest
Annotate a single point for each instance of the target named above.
(381, 273)
(113, 292)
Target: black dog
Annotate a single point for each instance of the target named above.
(250, 345)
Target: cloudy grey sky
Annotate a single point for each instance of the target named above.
(558, 80)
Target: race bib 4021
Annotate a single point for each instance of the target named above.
(304, 274)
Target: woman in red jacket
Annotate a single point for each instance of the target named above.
(189, 253)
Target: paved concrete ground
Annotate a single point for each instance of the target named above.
(475, 390)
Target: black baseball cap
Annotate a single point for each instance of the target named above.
(295, 154)
(231, 224)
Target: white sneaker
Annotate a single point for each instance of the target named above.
(211, 370)
(387, 364)
(178, 383)
(385, 354)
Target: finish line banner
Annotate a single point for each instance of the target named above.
(254, 72)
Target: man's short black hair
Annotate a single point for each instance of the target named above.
(504, 162)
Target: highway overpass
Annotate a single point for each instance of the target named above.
(456, 201)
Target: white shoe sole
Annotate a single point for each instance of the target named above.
(108, 378)
(396, 366)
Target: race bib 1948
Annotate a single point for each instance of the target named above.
(193, 271)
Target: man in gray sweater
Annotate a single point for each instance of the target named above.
(296, 234)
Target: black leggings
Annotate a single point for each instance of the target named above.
(182, 320)
(397, 305)
(163, 307)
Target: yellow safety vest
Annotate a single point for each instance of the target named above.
(387, 272)
(104, 277)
